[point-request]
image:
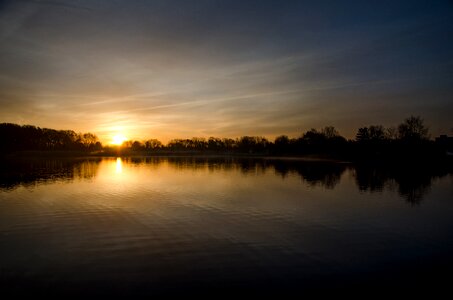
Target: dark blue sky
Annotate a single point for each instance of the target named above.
(170, 69)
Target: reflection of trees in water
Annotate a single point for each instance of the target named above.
(182, 163)
(314, 173)
(27, 172)
(414, 194)
(212, 164)
(370, 179)
(412, 183)
(86, 170)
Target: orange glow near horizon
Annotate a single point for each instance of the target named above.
(118, 139)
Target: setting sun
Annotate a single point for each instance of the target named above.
(118, 139)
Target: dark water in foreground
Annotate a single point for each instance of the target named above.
(176, 225)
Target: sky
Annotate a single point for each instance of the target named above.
(181, 69)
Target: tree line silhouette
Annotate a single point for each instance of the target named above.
(14, 137)
(409, 139)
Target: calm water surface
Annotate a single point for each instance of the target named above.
(158, 225)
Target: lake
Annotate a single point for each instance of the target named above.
(145, 226)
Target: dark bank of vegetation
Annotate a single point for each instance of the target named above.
(409, 141)
(15, 138)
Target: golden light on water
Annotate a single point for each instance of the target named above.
(119, 165)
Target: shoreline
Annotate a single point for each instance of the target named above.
(396, 161)
(82, 155)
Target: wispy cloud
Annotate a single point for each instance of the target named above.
(224, 68)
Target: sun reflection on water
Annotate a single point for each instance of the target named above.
(119, 165)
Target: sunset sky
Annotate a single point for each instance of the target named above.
(181, 69)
